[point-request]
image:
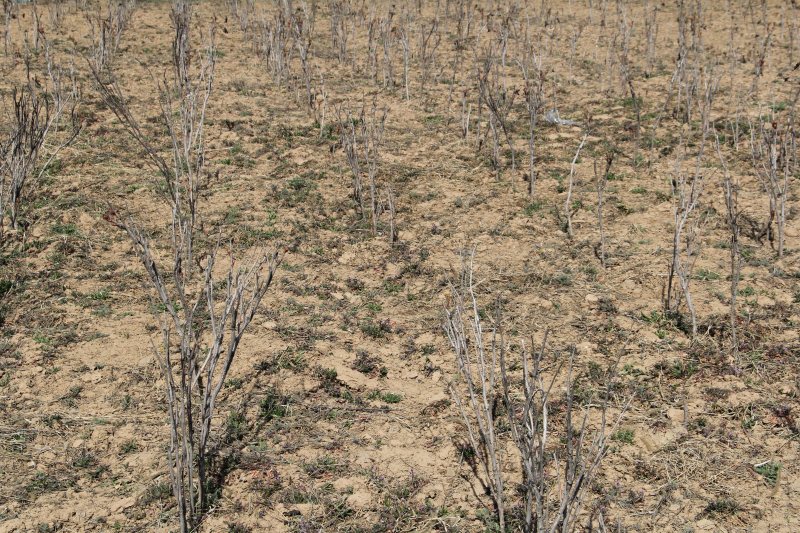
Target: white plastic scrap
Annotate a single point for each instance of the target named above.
(552, 117)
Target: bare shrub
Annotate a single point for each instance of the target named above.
(683, 86)
(243, 11)
(372, 47)
(388, 39)
(464, 25)
(351, 139)
(429, 40)
(402, 35)
(273, 42)
(534, 77)
(303, 28)
(601, 180)
(8, 15)
(559, 456)
(390, 205)
(361, 138)
(206, 307)
(686, 191)
(55, 14)
(466, 111)
(341, 14)
(494, 94)
(651, 36)
(730, 189)
(37, 117)
(760, 58)
(106, 31)
(771, 148)
(569, 208)
(626, 70)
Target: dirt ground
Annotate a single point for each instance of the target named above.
(349, 342)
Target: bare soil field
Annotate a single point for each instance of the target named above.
(399, 266)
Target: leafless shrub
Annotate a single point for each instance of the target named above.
(243, 11)
(465, 14)
(686, 194)
(686, 191)
(402, 36)
(466, 19)
(8, 15)
(685, 80)
(36, 30)
(730, 189)
(320, 103)
(388, 38)
(534, 77)
(792, 32)
(205, 315)
(361, 139)
(273, 41)
(626, 69)
(21, 152)
(181, 17)
(554, 473)
(38, 114)
(568, 206)
(761, 56)
(390, 204)
(351, 139)
(209, 318)
(106, 31)
(736, 97)
(429, 40)
(600, 184)
(772, 155)
(504, 36)
(341, 13)
(466, 111)
(303, 27)
(651, 35)
(372, 47)
(499, 101)
(575, 36)
(55, 14)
